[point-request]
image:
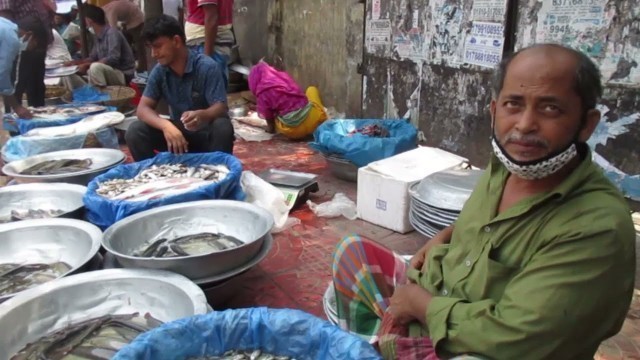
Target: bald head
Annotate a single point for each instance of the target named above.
(555, 63)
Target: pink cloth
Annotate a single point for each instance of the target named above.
(276, 92)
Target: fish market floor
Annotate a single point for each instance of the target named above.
(297, 270)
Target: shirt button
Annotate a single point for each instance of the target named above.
(468, 263)
(445, 292)
(487, 229)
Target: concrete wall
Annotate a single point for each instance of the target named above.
(415, 66)
(251, 26)
(320, 43)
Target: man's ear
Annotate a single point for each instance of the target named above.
(591, 120)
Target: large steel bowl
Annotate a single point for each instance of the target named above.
(71, 241)
(103, 161)
(249, 223)
(60, 196)
(40, 311)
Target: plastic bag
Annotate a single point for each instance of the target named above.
(105, 212)
(339, 205)
(281, 332)
(267, 196)
(88, 93)
(332, 137)
(21, 147)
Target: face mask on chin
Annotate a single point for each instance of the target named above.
(536, 169)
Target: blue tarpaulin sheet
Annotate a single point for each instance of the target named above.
(104, 212)
(21, 147)
(281, 332)
(332, 137)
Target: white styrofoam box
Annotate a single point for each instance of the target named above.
(383, 197)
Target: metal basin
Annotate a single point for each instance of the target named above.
(103, 161)
(72, 241)
(342, 168)
(65, 197)
(40, 311)
(249, 223)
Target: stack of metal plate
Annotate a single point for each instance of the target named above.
(437, 200)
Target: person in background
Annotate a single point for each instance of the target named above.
(209, 30)
(174, 8)
(59, 53)
(61, 21)
(111, 60)
(129, 14)
(12, 42)
(540, 263)
(280, 101)
(192, 85)
(30, 73)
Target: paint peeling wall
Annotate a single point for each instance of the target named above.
(420, 71)
(420, 74)
(320, 43)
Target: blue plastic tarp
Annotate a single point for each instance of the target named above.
(281, 332)
(332, 137)
(88, 94)
(104, 212)
(21, 147)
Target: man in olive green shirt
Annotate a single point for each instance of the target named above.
(541, 262)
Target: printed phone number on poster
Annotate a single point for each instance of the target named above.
(488, 13)
(574, 2)
(482, 57)
(487, 29)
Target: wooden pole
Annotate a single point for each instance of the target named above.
(83, 31)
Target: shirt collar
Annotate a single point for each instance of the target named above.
(104, 32)
(191, 59)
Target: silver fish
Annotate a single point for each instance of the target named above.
(142, 184)
(188, 245)
(19, 277)
(242, 355)
(96, 339)
(56, 167)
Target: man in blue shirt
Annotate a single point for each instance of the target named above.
(14, 40)
(193, 87)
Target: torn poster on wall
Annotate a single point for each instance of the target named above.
(376, 9)
(628, 184)
(560, 20)
(410, 44)
(489, 10)
(378, 35)
(447, 42)
(483, 46)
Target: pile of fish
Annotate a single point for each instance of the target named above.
(54, 112)
(24, 214)
(19, 277)
(57, 167)
(243, 355)
(95, 339)
(189, 245)
(162, 180)
(374, 130)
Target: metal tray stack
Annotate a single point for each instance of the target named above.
(437, 200)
